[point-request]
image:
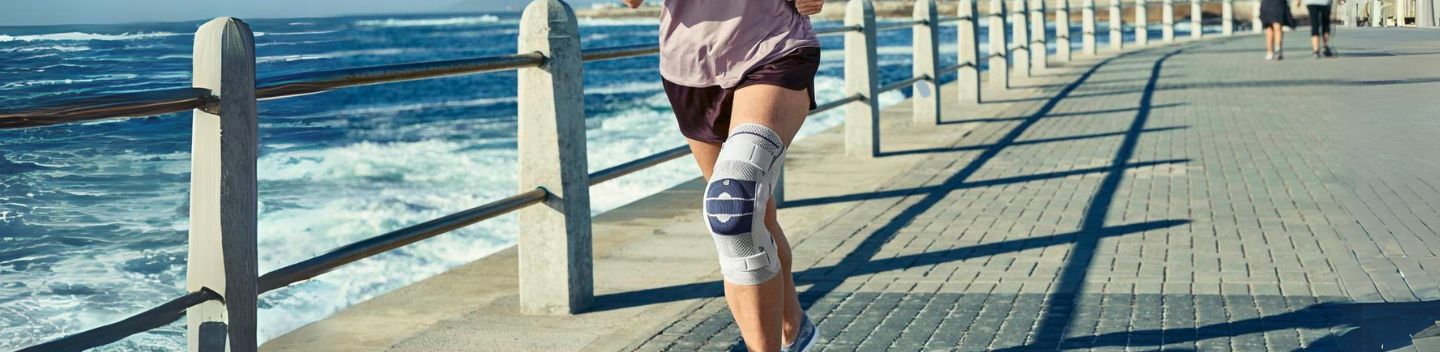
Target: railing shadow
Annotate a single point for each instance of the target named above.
(859, 261)
(1068, 288)
(1374, 327)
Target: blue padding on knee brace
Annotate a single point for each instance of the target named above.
(730, 206)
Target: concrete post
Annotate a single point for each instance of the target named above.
(1039, 46)
(862, 119)
(1227, 17)
(1377, 17)
(1117, 38)
(1142, 24)
(968, 31)
(1255, 24)
(1020, 28)
(1087, 28)
(999, 60)
(1062, 30)
(556, 273)
(1402, 9)
(1197, 20)
(1167, 21)
(1424, 13)
(223, 203)
(926, 41)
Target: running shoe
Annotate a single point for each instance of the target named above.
(806, 339)
(1269, 56)
(1329, 52)
(1317, 54)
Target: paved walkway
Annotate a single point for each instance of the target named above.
(1190, 197)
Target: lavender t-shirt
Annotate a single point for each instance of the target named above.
(714, 42)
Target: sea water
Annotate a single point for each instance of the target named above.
(93, 216)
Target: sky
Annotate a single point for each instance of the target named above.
(47, 12)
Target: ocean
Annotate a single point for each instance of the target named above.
(93, 216)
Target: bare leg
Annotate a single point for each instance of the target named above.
(1269, 40)
(1279, 37)
(770, 310)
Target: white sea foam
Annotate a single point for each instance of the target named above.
(79, 36)
(332, 55)
(304, 33)
(60, 48)
(430, 22)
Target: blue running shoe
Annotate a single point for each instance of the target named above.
(806, 339)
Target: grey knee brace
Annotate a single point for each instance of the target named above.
(735, 201)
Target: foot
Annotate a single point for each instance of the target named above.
(1316, 54)
(1279, 56)
(806, 339)
(1269, 56)
(1329, 52)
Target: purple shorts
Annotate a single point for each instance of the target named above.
(704, 113)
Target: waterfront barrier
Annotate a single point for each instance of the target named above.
(223, 281)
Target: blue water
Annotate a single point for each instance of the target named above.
(93, 216)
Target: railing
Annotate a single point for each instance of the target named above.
(555, 278)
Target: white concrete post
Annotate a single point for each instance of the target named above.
(1227, 17)
(1167, 21)
(1020, 28)
(1377, 17)
(223, 203)
(968, 31)
(1197, 20)
(1087, 24)
(1402, 9)
(1039, 46)
(1062, 30)
(555, 247)
(926, 41)
(1424, 13)
(999, 60)
(1142, 23)
(1255, 24)
(862, 119)
(1117, 25)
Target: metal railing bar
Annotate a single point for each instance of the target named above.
(619, 52)
(902, 84)
(948, 19)
(366, 248)
(953, 68)
(900, 25)
(638, 164)
(103, 107)
(837, 30)
(153, 318)
(321, 81)
(835, 104)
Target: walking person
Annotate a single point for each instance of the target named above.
(1274, 16)
(1319, 26)
(740, 76)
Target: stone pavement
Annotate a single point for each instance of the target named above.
(1187, 197)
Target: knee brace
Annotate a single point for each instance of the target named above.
(740, 187)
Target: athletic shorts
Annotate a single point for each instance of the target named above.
(704, 112)
(1319, 19)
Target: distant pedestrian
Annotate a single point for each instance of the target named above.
(1319, 26)
(740, 75)
(1275, 15)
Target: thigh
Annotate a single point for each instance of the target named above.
(705, 154)
(779, 108)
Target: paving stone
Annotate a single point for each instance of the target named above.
(1182, 198)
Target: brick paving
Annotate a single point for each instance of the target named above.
(1190, 197)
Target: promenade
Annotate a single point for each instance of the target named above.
(1188, 196)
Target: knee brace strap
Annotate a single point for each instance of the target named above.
(735, 203)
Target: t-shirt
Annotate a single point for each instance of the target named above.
(707, 43)
(1317, 2)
